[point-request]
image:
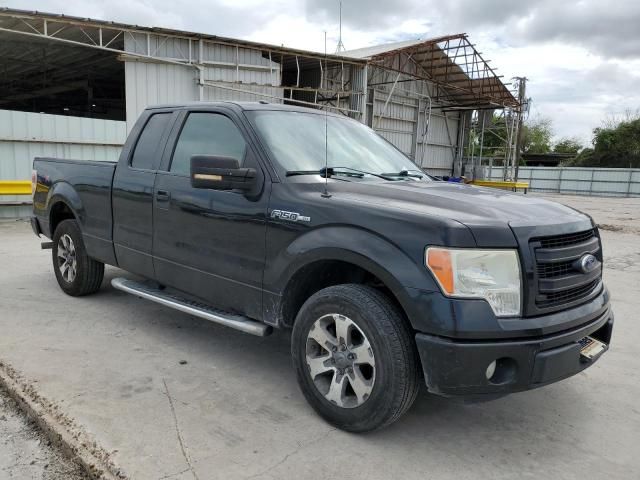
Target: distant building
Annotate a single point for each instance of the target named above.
(546, 159)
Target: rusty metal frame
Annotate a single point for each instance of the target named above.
(451, 63)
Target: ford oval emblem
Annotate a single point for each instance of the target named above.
(587, 263)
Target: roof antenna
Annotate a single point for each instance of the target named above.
(326, 193)
(340, 47)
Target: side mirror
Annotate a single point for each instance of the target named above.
(220, 173)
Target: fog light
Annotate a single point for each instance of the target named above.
(491, 369)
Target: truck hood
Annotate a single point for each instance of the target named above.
(483, 210)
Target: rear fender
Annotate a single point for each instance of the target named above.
(65, 193)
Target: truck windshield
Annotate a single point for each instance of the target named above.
(297, 143)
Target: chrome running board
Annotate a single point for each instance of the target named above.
(196, 309)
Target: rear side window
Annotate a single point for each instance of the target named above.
(207, 134)
(147, 152)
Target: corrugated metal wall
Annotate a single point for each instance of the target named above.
(24, 135)
(153, 83)
(395, 119)
(404, 119)
(614, 182)
(439, 155)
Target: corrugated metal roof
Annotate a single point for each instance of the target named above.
(451, 62)
(7, 13)
(368, 52)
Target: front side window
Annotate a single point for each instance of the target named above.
(146, 154)
(207, 134)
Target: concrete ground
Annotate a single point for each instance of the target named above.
(167, 395)
(25, 453)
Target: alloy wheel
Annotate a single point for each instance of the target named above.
(340, 360)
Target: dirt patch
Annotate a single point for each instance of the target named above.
(629, 262)
(61, 430)
(25, 452)
(610, 227)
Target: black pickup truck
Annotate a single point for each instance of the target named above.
(260, 216)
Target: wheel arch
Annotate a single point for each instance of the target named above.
(341, 255)
(63, 204)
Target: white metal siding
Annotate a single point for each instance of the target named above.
(397, 120)
(440, 150)
(156, 83)
(24, 135)
(614, 182)
(404, 122)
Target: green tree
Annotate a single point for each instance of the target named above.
(536, 136)
(613, 146)
(568, 145)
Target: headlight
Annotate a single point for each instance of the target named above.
(490, 274)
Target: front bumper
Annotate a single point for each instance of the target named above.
(458, 367)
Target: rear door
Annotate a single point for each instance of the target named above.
(132, 194)
(211, 243)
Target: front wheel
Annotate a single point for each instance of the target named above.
(355, 357)
(77, 273)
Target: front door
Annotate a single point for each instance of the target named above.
(211, 243)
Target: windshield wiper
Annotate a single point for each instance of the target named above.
(294, 173)
(362, 172)
(321, 172)
(406, 173)
(329, 172)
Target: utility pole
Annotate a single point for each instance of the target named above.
(522, 99)
(340, 47)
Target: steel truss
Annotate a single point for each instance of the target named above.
(333, 90)
(466, 79)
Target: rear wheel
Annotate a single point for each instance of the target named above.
(76, 272)
(355, 357)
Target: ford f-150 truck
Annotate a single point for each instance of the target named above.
(260, 216)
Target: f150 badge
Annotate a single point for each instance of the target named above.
(291, 216)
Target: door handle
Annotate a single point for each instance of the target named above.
(163, 195)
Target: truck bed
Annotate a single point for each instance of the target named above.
(86, 185)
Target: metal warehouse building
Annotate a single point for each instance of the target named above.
(73, 87)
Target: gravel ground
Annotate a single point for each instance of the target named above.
(612, 214)
(25, 453)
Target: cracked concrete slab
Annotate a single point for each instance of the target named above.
(172, 396)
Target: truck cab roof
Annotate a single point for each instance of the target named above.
(244, 106)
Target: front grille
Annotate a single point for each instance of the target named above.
(550, 270)
(569, 295)
(558, 279)
(558, 241)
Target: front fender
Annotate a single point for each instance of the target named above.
(368, 250)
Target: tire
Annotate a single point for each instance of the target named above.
(382, 380)
(77, 273)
